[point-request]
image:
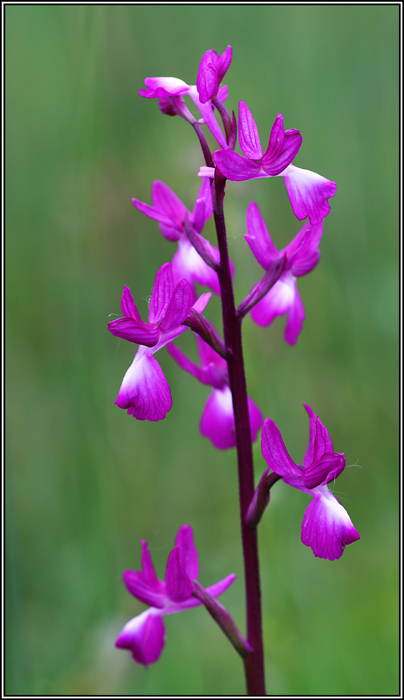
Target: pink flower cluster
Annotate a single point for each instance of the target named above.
(175, 305)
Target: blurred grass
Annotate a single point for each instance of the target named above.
(84, 482)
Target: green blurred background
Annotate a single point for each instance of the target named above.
(84, 480)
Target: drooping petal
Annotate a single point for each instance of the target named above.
(319, 439)
(187, 263)
(248, 134)
(295, 318)
(178, 583)
(278, 301)
(144, 636)
(178, 308)
(185, 541)
(217, 421)
(283, 146)
(234, 167)
(145, 392)
(162, 292)
(277, 456)
(148, 592)
(161, 87)
(327, 527)
(326, 469)
(258, 237)
(308, 193)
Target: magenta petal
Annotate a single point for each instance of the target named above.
(308, 193)
(202, 302)
(147, 566)
(162, 293)
(128, 306)
(208, 356)
(235, 167)
(277, 456)
(207, 82)
(188, 264)
(258, 237)
(167, 227)
(217, 421)
(163, 86)
(144, 636)
(278, 301)
(178, 308)
(166, 202)
(187, 364)
(203, 206)
(135, 332)
(328, 467)
(221, 586)
(276, 159)
(295, 319)
(185, 542)
(178, 583)
(224, 63)
(303, 253)
(248, 134)
(327, 527)
(319, 439)
(145, 392)
(150, 593)
(256, 419)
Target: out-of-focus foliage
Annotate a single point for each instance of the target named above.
(85, 481)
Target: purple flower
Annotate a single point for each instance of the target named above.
(170, 91)
(211, 72)
(144, 635)
(302, 255)
(308, 192)
(145, 392)
(326, 526)
(217, 421)
(171, 214)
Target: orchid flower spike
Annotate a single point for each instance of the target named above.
(144, 635)
(171, 214)
(326, 526)
(145, 392)
(302, 255)
(308, 192)
(217, 421)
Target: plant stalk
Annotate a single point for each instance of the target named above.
(254, 661)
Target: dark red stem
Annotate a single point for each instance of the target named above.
(253, 662)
